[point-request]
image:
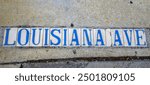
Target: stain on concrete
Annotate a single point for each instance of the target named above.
(74, 51)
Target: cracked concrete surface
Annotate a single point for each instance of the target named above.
(83, 64)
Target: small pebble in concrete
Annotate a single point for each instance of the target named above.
(74, 52)
(131, 2)
(135, 53)
(72, 25)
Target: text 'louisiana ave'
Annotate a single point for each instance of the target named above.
(73, 37)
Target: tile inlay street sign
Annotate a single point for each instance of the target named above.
(73, 37)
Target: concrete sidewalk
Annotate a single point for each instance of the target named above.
(78, 13)
(82, 64)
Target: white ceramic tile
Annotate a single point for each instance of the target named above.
(108, 37)
(65, 37)
(99, 37)
(87, 36)
(36, 37)
(55, 37)
(140, 38)
(128, 36)
(46, 37)
(74, 37)
(10, 37)
(23, 40)
(117, 37)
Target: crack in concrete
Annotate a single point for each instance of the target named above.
(83, 59)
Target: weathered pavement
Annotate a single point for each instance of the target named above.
(80, 13)
(81, 64)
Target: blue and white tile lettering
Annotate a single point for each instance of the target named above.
(10, 36)
(87, 37)
(23, 37)
(74, 37)
(36, 37)
(99, 37)
(65, 37)
(117, 37)
(128, 36)
(140, 38)
(46, 37)
(55, 37)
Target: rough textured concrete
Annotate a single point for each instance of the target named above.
(24, 54)
(120, 64)
(82, 13)
(91, 64)
(105, 13)
(10, 66)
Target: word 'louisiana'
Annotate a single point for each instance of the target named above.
(67, 37)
